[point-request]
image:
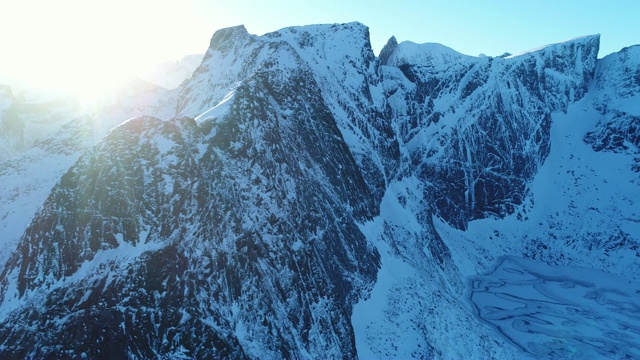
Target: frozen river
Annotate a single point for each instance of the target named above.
(559, 312)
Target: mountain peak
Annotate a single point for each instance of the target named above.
(433, 54)
(225, 37)
(353, 34)
(387, 50)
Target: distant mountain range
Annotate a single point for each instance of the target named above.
(296, 196)
(29, 114)
(171, 74)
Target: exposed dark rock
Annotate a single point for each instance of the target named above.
(388, 50)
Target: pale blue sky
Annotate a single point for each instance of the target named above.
(490, 26)
(93, 41)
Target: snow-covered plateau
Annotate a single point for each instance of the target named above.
(300, 197)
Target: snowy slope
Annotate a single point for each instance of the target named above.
(558, 312)
(558, 222)
(582, 206)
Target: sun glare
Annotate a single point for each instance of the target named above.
(87, 85)
(87, 48)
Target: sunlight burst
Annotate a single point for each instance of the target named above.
(85, 49)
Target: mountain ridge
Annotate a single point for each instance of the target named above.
(297, 168)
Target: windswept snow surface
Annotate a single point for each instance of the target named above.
(559, 312)
(371, 318)
(413, 311)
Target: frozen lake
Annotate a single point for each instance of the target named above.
(559, 312)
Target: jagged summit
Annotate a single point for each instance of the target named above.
(387, 50)
(304, 35)
(227, 36)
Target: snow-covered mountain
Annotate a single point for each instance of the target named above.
(299, 197)
(29, 116)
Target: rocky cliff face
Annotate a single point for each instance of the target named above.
(253, 211)
(477, 129)
(28, 177)
(258, 205)
(618, 83)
